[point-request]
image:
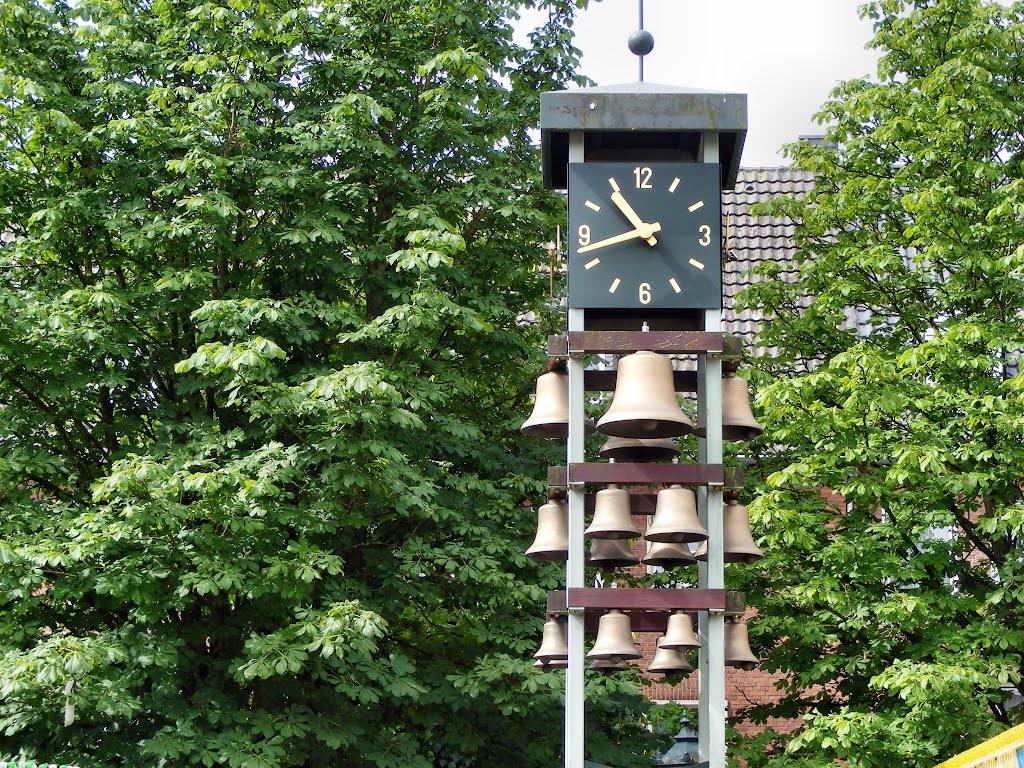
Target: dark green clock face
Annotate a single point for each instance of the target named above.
(645, 235)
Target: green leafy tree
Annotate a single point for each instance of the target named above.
(897, 611)
(263, 275)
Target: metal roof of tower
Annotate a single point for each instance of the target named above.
(641, 121)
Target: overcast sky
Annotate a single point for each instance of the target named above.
(786, 55)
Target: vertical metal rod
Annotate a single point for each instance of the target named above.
(641, 27)
(703, 703)
(711, 575)
(574, 683)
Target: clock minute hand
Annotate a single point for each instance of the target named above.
(634, 219)
(631, 235)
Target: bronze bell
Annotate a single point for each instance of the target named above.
(644, 405)
(668, 661)
(668, 554)
(633, 449)
(738, 422)
(552, 540)
(611, 516)
(614, 638)
(680, 635)
(554, 646)
(611, 553)
(675, 517)
(609, 666)
(553, 664)
(737, 645)
(737, 542)
(550, 417)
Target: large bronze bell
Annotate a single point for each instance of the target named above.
(738, 422)
(614, 638)
(550, 417)
(679, 635)
(668, 554)
(644, 405)
(552, 540)
(611, 516)
(668, 661)
(737, 542)
(633, 449)
(737, 645)
(554, 646)
(611, 553)
(675, 517)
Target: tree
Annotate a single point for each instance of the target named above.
(262, 365)
(896, 612)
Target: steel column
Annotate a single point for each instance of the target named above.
(711, 575)
(575, 452)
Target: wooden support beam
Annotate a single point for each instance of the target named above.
(624, 342)
(637, 599)
(637, 474)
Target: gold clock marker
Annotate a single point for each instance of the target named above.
(614, 286)
(591, 263)
(696, 206)
(592, 206)
(675, 285)
(696, 263)
(674, 184)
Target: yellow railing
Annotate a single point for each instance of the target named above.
(998, 752)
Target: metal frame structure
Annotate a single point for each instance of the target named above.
(709, 599)
(633, 122)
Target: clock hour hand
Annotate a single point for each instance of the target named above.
(634, 219)
(647, 231)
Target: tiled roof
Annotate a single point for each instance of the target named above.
(753, 240)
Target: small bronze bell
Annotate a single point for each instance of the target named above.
(552, 540)
(554, 645)
(633, 450)
(611, 553)
(550, 417)
(553, 664)
(609, 666)
(736, 538)
(611, 516)
(614, 638)
(737, 542)
(668, 661)
(679, 635)
(737, 645)
(738, 422)
(668, 554)
(644, 404)
(675, 517)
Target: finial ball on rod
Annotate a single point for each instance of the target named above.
(641, 42)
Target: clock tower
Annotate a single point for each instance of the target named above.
(644, 166)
